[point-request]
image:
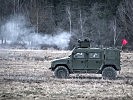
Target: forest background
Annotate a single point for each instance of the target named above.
(61, 23)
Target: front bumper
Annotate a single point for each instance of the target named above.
(52, 69)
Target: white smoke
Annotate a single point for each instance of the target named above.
(18, 29)
(61, 40)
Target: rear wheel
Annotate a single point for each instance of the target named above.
(109, 73)
(61, 72)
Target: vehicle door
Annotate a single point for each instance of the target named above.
(94, 60)
(79, 61)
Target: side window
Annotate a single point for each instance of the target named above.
(94, 55)
(79, 55)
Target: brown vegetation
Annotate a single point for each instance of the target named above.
(24, 75)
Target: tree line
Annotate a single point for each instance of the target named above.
(106, 22)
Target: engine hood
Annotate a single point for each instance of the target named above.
(61, 60)
(64, 61)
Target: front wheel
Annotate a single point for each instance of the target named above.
(61, 72)
(109, 73)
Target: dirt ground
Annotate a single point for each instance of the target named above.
(24, 75)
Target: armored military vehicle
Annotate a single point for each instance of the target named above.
(84, 59)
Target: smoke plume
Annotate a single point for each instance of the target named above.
(18, 30)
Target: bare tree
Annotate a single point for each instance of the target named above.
(68, 10)
(114, 29)
(81, 23)
(125, 12)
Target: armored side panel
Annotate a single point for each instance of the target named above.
(112, 56)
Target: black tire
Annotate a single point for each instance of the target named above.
(109, 73)
(61, 72)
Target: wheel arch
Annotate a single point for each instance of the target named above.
(62, 65)
(107, 65)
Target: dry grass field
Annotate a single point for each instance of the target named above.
(24, 75)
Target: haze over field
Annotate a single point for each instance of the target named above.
(17, 30)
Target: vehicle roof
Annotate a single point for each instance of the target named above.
(92, 49)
